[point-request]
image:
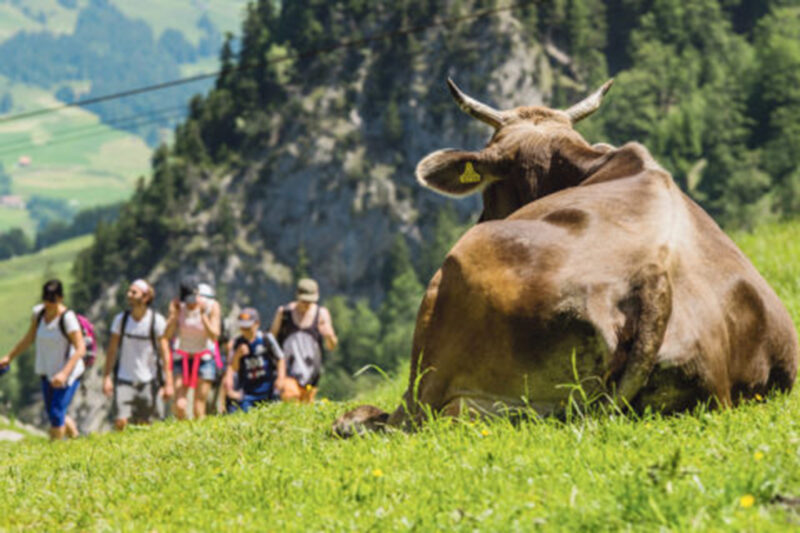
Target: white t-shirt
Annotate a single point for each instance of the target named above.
(52, 346)
(137, 361)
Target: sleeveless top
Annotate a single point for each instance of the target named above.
(288, 327)
(191, 335)
(302, 349)
(256, 369)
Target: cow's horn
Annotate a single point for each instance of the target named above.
(474, 108)
(590, 104)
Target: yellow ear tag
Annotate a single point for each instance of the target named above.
(469, 175)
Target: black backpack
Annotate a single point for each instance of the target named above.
(152, 337)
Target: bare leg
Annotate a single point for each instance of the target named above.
(57, 433)
(180, 405)
(200, 397)
(70, 427)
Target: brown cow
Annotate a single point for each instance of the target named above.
(585, 250)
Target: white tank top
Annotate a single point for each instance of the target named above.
(192, 336)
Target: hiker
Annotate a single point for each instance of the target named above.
(59, 356)
(254, 363)
(227, 382)
(137, 361)
(302, 327)
(194, 324)
(207, 293)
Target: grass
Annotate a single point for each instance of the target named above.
(278, 468)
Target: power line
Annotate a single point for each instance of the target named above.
(122, 122)
(74, 138)
(302, 55)
(117, 122)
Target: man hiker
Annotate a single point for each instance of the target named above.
(137, 359)
(255, 358)
(302, 327)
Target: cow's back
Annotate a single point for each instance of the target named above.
(579, 252)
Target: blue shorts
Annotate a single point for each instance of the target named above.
(248, 401)
(56, 401)
(207, 369)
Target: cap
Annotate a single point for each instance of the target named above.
(206, 291)
(52, 290)
(188, 290)
(307, 290)
(247, 317)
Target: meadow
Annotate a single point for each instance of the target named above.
(74, 157)
(279, 468)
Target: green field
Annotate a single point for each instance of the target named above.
(181, 15)
(99, 164)
(278, 468)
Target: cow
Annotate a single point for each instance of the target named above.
(588, 261)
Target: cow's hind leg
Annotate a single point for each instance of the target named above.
(648, 309)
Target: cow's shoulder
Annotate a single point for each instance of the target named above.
(630, 160)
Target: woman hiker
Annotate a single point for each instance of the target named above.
(59, 356)
(194, 324)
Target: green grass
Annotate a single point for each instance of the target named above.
(17, 218)
(278, 468)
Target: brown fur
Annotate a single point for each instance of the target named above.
(593, 251)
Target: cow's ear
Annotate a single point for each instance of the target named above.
(455, 173)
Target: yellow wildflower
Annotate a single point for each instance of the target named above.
(485, 432)
(747, 501)
(377, 472)
(758, 456)
(759, 398)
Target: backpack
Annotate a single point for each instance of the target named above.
(87, 329)
(159, 370)
(302, 349)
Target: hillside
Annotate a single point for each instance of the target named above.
(58, 51)
(278, 468)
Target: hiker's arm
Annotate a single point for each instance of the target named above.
(211, 321)
(111, 359)
(76, 340)
(172, 319)
(326, 329)
(275, 328)
(169, 384)
(281, 374)
(22, 344)
(230, 392)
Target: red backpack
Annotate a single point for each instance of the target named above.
(89, 337)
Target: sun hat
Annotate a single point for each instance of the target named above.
(307, 290)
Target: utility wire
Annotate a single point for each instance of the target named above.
(178, 116)
(301, 55)
(116, 122)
